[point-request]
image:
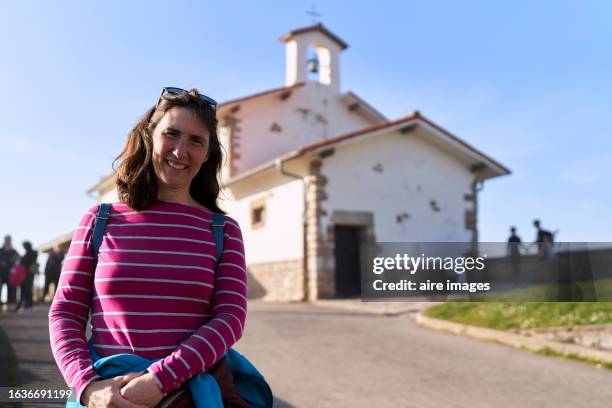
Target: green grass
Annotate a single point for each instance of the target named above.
(552, 353)
(523, 315)
(599, 290)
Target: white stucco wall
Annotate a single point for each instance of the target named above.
(281, 238)
(412, 173)
(312, 113)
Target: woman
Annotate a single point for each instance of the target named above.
(157, 290)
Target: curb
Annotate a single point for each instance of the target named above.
(512, 339)
(374, 308)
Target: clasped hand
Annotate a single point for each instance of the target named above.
(134, 390)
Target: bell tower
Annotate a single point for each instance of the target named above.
(313, 50)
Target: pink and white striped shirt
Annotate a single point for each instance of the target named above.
(155, 292)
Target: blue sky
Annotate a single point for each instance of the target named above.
(526, 82)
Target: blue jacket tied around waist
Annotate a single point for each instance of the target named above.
(204, 388)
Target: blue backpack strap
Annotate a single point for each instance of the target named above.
(249, 382)
(218, 222)
(99, 227)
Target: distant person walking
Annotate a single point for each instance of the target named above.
(514, 253)
(53, 268)
(8, 257)
(29, 261)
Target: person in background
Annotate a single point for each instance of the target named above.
(29, 261)
(8, 256)
(544, 240)
(53, 268)
(514, 253)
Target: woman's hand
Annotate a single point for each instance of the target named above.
(143, 390)
(107, 393)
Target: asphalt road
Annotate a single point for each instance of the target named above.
(317, 357)
(25, 355)
(320, 357)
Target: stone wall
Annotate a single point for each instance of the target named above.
(276, 281)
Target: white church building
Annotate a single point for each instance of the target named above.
(313, 173)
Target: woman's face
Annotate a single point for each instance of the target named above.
(180, 147)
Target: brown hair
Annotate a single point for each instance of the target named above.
(134, 175)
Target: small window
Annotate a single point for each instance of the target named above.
(258, 215)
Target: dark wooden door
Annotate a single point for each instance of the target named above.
(347, 254)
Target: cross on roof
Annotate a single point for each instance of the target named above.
(313, 13)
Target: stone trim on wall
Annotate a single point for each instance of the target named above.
(471, 215)
(316, 275)
(258, 203)
(232, 122)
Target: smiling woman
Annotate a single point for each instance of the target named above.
(165, 286)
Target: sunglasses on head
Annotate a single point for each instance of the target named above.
(178, 91)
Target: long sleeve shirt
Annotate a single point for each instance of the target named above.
(156, 292)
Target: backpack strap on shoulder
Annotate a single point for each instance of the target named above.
(218, 223)
(99, 227)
